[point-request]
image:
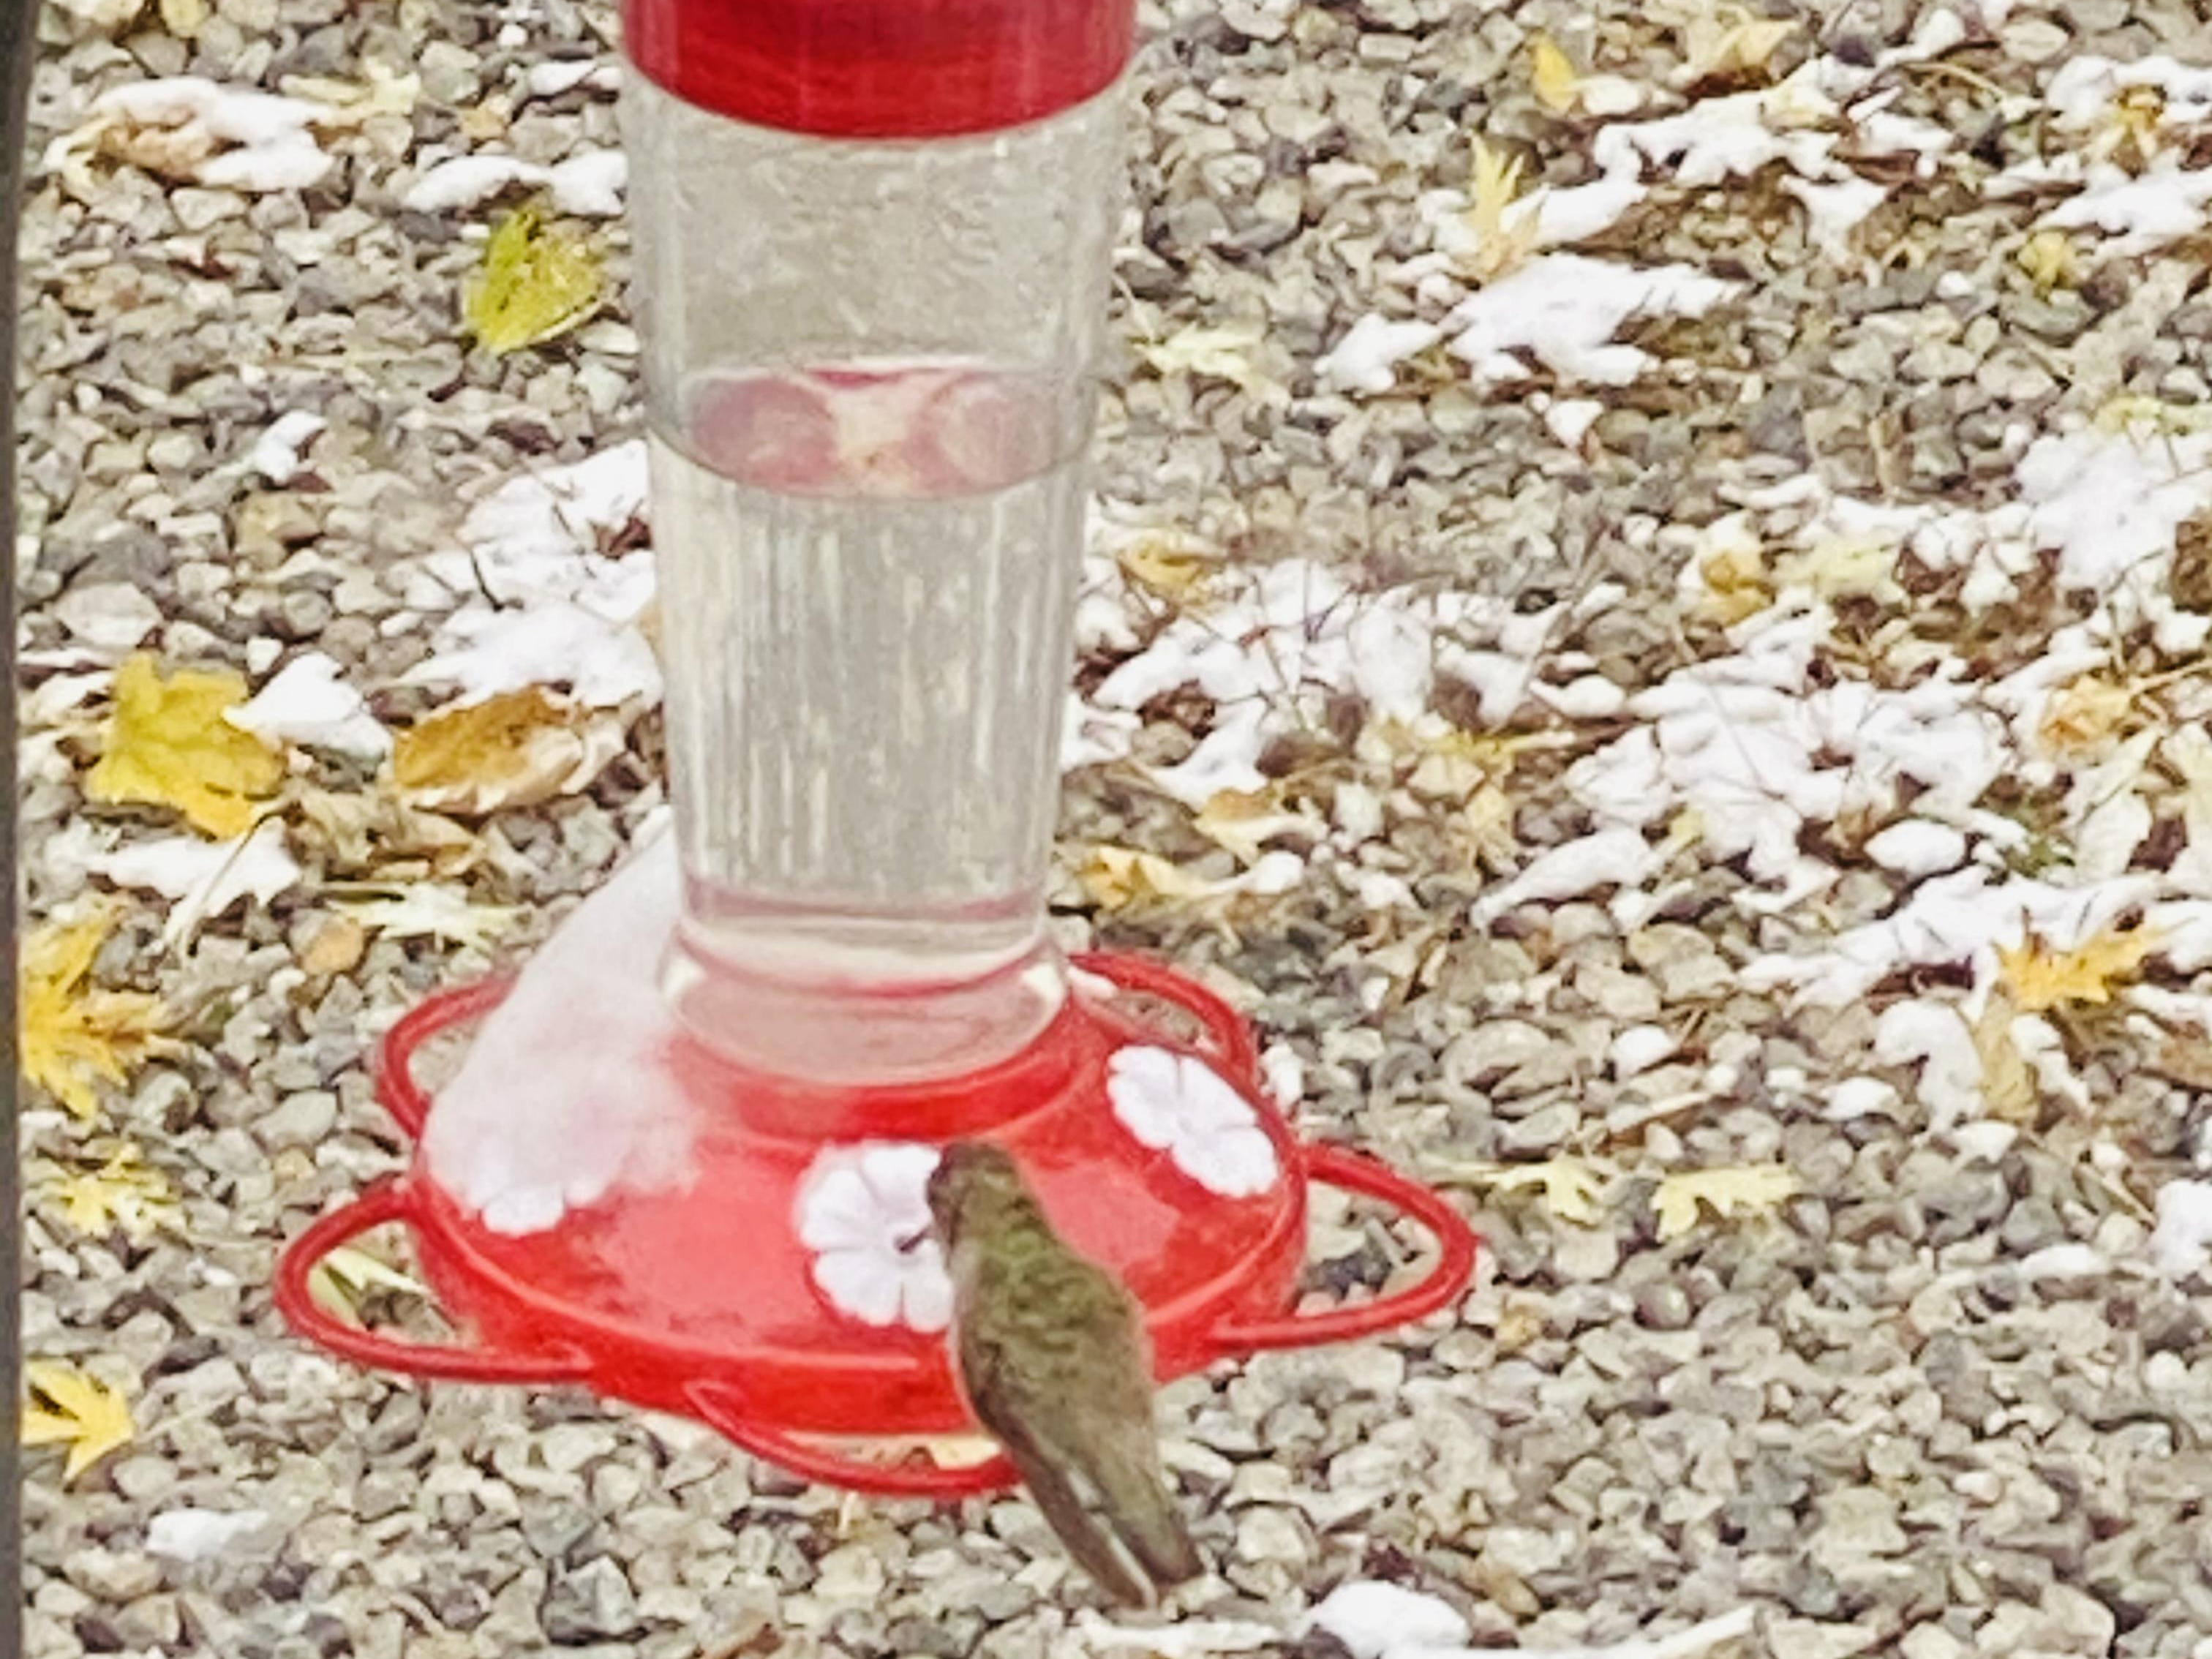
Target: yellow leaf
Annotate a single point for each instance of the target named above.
(166, 743)
(2130, 133)
(1504, 237)
(68, 1408)
(2050, 262)
(1736, 582)
(74, 1038)
(382, 92)
(1557, 86)
(514, 749)
(1519, 1322)
(1448, 761)
(345, 1275)
(2084, 712)
(1844, 570)
(1173, 567)
(424, 910)
(2130, 409)
(1481, 833)
(121, 1193)
(1121, 878)
(1686, 830)
(1222, 352)
(1572, 1189)
(1726, 1191)
(484, 123)
(1729, 40)
(1244, 822)
(2041, 979)
(1496, 186)
(537, 281)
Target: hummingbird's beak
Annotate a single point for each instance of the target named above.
(912, 1241)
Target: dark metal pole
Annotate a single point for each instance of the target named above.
(17, 20)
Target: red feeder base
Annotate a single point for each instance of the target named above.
(754, 1296)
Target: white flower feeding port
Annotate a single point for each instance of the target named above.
(864, 1212)
(684, 1159)
(1178, 1104)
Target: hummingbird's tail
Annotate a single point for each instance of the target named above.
(1139, 1506)
(1114, 1511)
(1083, 1531)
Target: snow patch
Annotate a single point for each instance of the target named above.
(226, 138)
(1611, 858)
(566, 1093)
(2181, 1242)
(2141, 212)
(1372, 1619)
(278, 455)
(1376, 1621)
(203, 878)
(539, 604)
(1565, 309)
(189, 1533)
(309, 703)
(2082, 92)
(589, 185)
(1916, 847)
(1366, 359)
(1270, 653)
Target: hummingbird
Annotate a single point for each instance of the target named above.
(1051, 1351)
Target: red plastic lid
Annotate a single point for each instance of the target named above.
(882, 68)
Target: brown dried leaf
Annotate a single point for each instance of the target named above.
(2184, 1060)
(516, 749)
(367, 833)
(1244, 823)
(334, 945)
(2009, 1088)
(2084, 712)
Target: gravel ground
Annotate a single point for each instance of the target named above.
(1946, 1388)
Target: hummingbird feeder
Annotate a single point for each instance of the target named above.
(681, 1160)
